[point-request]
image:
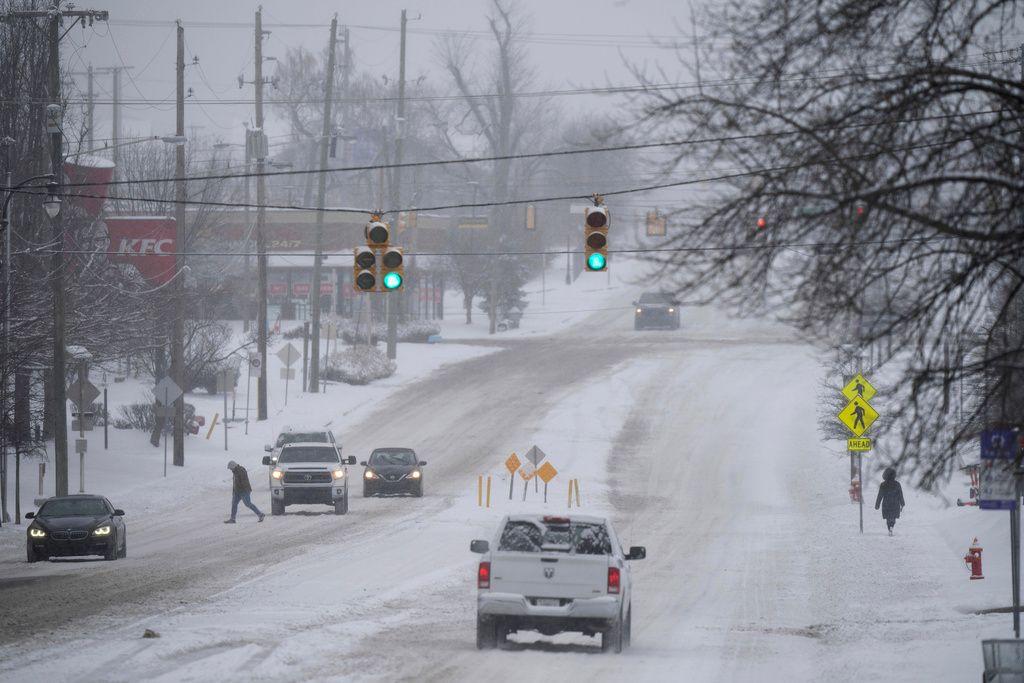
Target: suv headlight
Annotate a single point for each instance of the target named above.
(102, 530)
(415, 474)
(277, 474)
(369, 474)
(36, 532)
(337, 474)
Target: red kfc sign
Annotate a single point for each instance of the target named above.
(148, 243)
(278, 288)
(301, 289)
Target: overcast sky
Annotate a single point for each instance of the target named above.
(568, 59)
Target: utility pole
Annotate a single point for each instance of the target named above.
(248, 236)
(396, 186)
(261, 227)
(89, 109)
(58, 395)
(178, 323)
(318, 256)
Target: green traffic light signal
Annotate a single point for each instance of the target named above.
(392, 281)
(596, 261)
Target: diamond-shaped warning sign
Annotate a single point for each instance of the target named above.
(82, 395)
(859, 387)
(512, 463)
(858, 415)
(547, 472)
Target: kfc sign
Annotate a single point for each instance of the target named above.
(148, 243)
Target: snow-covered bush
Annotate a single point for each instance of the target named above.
(358, 365)
(143, 416)
(410, 331)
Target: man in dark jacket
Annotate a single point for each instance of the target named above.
(240, 490)
(890, 498)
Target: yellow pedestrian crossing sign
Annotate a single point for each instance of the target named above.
(858, 416)
(859, 387)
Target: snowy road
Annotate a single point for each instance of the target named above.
(699, 443)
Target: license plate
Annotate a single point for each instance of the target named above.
(549, 602)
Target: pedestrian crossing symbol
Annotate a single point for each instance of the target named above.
(858, 416)
(859, 387)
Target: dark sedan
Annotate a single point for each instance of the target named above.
(72, 526)
(392, 470)
(654, 309)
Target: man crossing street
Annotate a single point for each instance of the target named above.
(240, 491)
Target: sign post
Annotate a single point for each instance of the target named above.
(1000, 490)
(166, 392)
(82, 394)
(288, 355)
(535, 456)
(547, 472)
(858, 416)
(512, 464)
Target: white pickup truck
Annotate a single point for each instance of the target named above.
(309, 474)
(554, 574)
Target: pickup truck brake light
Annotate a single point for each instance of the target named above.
(483, 575)
(613, 579)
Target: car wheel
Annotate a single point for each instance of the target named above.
(627, 631)
(341, 505)
(367, 491)
(418, 493)
(276, 507)
(611, 640)
(486, 635)
(636, 324)
(112, 551)
(124, 545)
(32, 557)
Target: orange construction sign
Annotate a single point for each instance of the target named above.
(547, 472)
(512, 463)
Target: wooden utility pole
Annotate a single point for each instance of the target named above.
(90, 107)
(178, 323)
(393, 308)
(318, 256)
(261, 228)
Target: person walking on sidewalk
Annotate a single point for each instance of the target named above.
(240, 490)
(890, 498)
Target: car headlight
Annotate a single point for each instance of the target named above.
(639, 311)
(102, 530)
(671, 310)
(36, 532)
(277, 474)
(338, 474)
(369, 474)
(415, 474)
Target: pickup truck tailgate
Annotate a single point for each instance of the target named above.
(549, 574)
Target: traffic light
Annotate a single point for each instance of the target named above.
(595, 237)
(762, 223)
(392, 269)
(378, 234)
(364, 273)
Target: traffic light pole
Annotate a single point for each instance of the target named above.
(318, 256)
(178, 323)
(396, 185)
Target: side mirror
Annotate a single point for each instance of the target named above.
(350, 460)
(266, 460)
(479, 547)
(268, 448)
(422, 463)
(118, 512)
(636, 303)
(636, 552)
(363, 463)
(30, 515)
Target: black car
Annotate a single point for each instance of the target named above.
(72, 526)
(656, 310)
(392, 470)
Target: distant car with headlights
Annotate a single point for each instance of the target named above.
(75, 526)
(309, 474)
(654, 309)
(393, 470)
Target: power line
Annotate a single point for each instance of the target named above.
(538, 155)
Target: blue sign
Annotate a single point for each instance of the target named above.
(998, 490)
(998, 444)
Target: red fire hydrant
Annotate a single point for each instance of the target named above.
(855, 491)
(973, 560)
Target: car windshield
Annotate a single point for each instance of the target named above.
(74, 507)
(382, 458)
(308, 454)
(655, 298)
(581, 538)
(301, 437)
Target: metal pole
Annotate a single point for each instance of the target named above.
(261, 230)
(860, 478)
(396, 189)
(115, 134)
(1015, 556)
(305, 353)
(178, 323)
(89, 107)
(248, 393)
(83, 377)
(226, 380)
(8, 309)
(318, 256)
(106, 440)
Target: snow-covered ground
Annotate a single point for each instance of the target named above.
(701, 444)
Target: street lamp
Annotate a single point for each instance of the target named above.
(52, 201)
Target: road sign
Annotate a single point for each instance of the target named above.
(78, 426)
(225, 381)
(167, 391)
(289, 354)
(859, 387)
(535, 455)
(527, 471)
(998, 485)
(512, 463)
(547, 472)
(998, 444)
(82, 395)
(858, 415)
(859, 445)
(287, 373)
(81, 445)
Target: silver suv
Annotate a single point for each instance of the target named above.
(309, 474)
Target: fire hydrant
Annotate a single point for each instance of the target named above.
(855, 491)
(973, 560)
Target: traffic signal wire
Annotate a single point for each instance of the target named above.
(540, 155)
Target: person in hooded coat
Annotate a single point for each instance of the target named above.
(890, 498)
(240, 490)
